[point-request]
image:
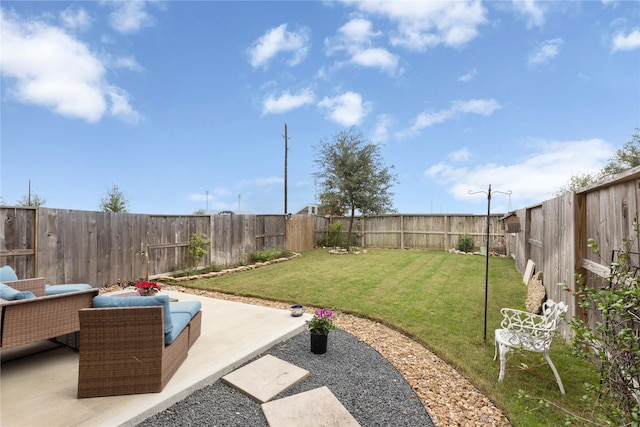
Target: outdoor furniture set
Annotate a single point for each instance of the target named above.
(127, 345)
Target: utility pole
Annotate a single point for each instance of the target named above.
(286, 149)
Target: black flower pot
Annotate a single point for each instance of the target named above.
(318, 343)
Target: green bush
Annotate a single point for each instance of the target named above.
(334, 235)
(465, 243)
(198, 247)
(270, 254)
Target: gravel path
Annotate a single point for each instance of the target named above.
(448, 397)
(367, 385)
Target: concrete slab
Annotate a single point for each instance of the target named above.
(314, 408)
(265, 378)
(41, 389)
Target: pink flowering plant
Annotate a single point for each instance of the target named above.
(321, 322)
(148, 288)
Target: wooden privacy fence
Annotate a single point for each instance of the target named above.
(102, 248)
(433, 232)
(555, 236)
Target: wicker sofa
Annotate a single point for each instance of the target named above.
(44, 317)
(128, 349)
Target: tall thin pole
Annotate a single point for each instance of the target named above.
(486, 268)
(286, 149)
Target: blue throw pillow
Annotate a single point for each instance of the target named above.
(7, 292)
(104, 301)
(7, 274)
(24, 295)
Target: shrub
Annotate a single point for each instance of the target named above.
(198, 247)
(270, 254)
(465, 243)
(612, 342)
(334, 235)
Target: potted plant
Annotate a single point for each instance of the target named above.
(146, 289)
(319, 326)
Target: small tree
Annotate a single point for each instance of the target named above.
(114, 201)
(353, 177)
(198, 247)
(31, 200)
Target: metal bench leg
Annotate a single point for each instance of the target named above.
(555, 372)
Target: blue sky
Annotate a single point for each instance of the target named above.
(176, 101)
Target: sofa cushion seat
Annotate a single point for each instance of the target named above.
(190, 307)
(68, 287)
(104, 301)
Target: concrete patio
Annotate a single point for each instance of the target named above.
(38, 383)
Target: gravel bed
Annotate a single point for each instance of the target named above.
(366, 384)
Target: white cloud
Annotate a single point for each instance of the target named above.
(426, 24)
(127, 63)
(129, 16)
(287, 101)
(48, 67)
(537, 177)
(629, 41)
(347, 109)
(380, 133)
(532, 10)
(468, 76)
(484, 107)
(278, 40)
(75, 19)
(545, 52)
(460, 156)
(120, 106)
(355, 39)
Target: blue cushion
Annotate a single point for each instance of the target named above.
(104, 301)
(190, 307)
(24, 295)
(180, 321)
(63, 289)
(7, 292)
(7, 274)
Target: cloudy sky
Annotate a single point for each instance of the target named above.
(183, 105)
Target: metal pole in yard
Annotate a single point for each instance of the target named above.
(486, 268)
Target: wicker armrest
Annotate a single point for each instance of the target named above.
(35, 285)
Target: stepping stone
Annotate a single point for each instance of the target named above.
(265, 378)
(313, 408)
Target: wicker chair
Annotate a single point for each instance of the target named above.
(122, 350)
(41, 318)
(531, 332)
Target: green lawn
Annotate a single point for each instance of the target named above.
(438, 299)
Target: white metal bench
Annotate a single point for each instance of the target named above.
(531, 332)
